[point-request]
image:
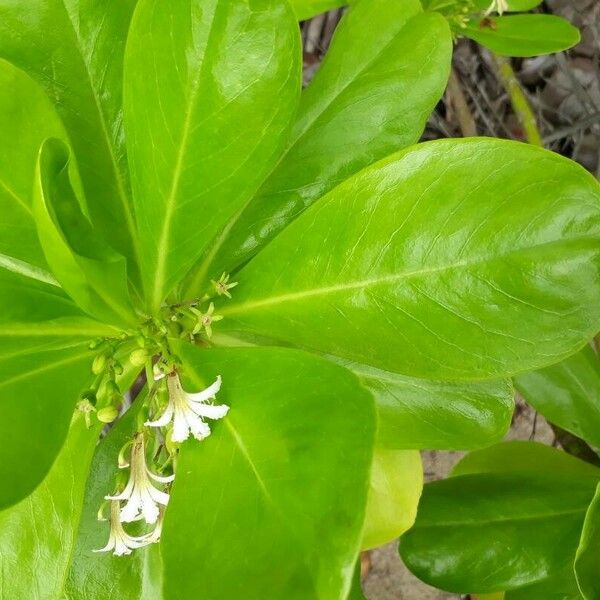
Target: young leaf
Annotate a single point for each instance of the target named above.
(385, 71)
(37, 536)
(523, 35)
(586, 560)
(419, 413)
(455, 259)
(270, 480)
(74, 50)
(93, 274)
(27, 118)
(306, 9)
(210, 90)
(38, 391)
(567, 394)
(509, 516)
(394, 492)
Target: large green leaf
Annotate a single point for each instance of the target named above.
(27, 118)
(94, 275)
(394, 492)
(567, 394)
(211, 87)
(305, 9)
(74, 49)
(38, 391)
(102, 576)
(37, 536)
(510, 516)
(455, 259)
(419, 413)
(523, 35)
(588, 553)
(250, 505)
(385, 71)
(562, 586)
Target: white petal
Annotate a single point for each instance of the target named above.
(210, 411)
(161, 478)
(125, 494)
(131, 510)
(210, 392)
(198, 427)
(149, 508)
(109, 546)
(181, 429)
(164, 419)
(158, 496)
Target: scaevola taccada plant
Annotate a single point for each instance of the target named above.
(284, 269)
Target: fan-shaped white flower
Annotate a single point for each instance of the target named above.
(499, 6)
(188, 411)
(142, 498)
(119, 541)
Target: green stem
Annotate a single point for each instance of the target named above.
(519, 101)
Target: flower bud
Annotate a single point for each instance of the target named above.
(99, 364)
(107, 414)
(139, 357)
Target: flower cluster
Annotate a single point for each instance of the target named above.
(145, 496)
(498, 6)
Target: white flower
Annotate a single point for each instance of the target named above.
(119, 541)
(141, 495)
(499, 6)
(188, 411)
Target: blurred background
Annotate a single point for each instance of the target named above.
(563, 91)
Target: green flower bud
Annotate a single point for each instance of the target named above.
(139, 357)
(107, 414)
(99, 364)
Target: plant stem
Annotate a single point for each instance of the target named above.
(518, 100)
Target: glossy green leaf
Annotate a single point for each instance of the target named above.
(356, 592)
(306, 9)
(272, 478)
(37, 536)
(93, 274)
(562, 586)
(523, 35)
(419, 413)
(38, 391)
(567, 394)
(455, 259)
(525, 457)
(586, 561)
(509, 516)
(513, 5)
(385, 71)
(100, 576)
(27, 118)
(74, 49)
(210, 90)
(394, 492)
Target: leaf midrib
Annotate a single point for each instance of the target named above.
(373, 282)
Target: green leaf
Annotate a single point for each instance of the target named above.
(513, 5)
(419, 413)
(455, 259)
(394, 492)
(356, 592)
(37, 536)
(562, 586)
(384, 73)
(567, 394)
(509, 516)
(586, 561)
(38, 391)
(93, 274)
(94, 576)
(525, 457)
(523, 35)
(272, 478)
(306, 9)
(210, 91)
(27, 118)
(74, 50)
